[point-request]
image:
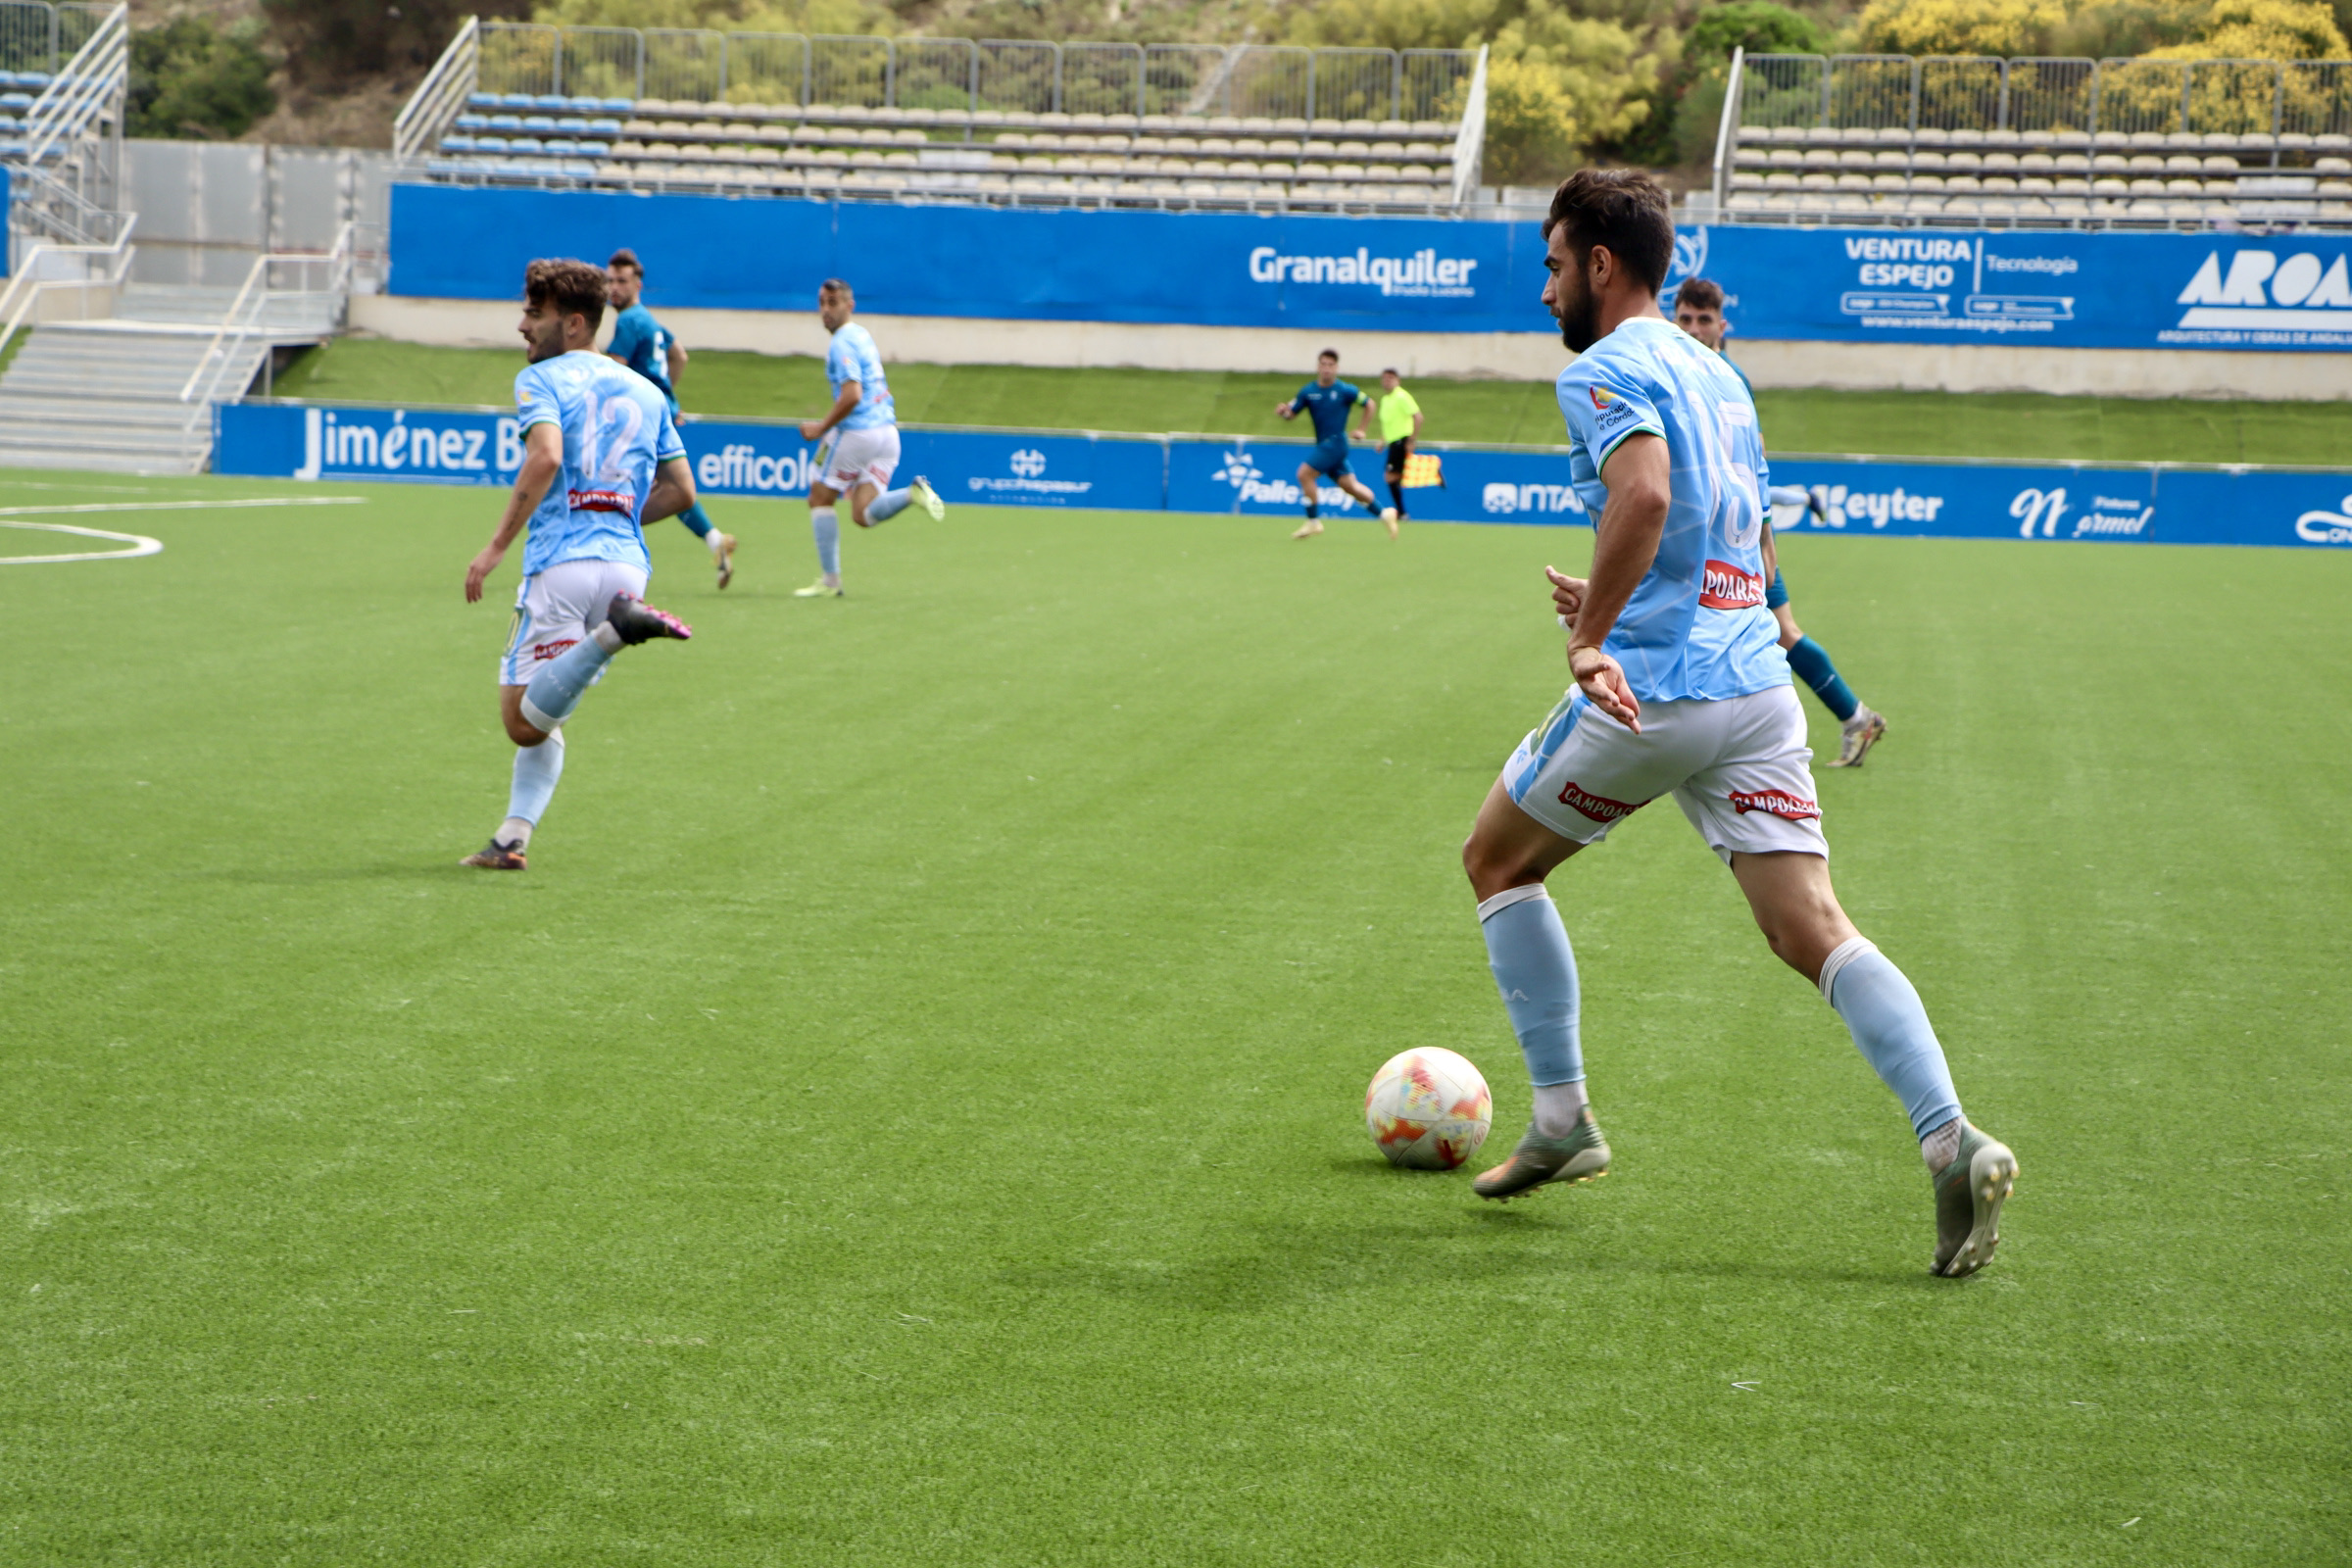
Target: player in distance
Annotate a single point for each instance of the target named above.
(643, 345)
(1399, 426)
(1327, 400)
(1680, 687)
(1698, 311)
(860, 441)
(600, 460)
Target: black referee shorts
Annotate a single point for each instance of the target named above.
(1398, 451)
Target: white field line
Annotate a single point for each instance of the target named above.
(140, 544)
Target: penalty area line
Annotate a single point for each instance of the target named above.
(140, 545)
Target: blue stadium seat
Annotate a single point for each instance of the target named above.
(35, 79)
(618, 106)
(482, 100)
(457, 144)
(473, 122)
(550, 100)
(11, 147)
(505, 122)
(538, 122)
(582, 105)
(514, 100)
(16, 100)
(526, 144)
(572, 123)
(489, 144)
(9, 122)
(605, 128)
(594, 149)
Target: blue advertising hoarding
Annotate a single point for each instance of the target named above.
(1020, 264)
(1918, 497)
(2042, 288)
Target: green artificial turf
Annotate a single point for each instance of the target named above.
(1915, 424)
(910, 1111)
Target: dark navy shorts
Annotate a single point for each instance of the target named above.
(1328, 458)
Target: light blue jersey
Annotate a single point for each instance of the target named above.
(617, 430)
(1696, 626)
(854, 358)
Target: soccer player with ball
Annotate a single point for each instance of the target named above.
(1680, 686)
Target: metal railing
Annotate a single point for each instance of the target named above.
(242, 322)
(1469, 143)
(58, 269)
(440, 96)
(91, 83)
(2043, 96)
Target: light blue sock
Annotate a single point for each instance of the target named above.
(1535, 969)
(888, 503)
(696, 520)
(828, 540)
(552, 695)
(536, 769)
(1891, 1025)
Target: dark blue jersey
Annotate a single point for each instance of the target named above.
(1327, 406)
(643, 345)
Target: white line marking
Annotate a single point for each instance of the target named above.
(188, 506)
(140, 545)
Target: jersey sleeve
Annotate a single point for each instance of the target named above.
(841, 362)
(535, 400)
(1602, 402)
(668, 443)
(1298, 398)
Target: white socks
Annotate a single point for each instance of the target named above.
(514, 832)
(1559, 1107)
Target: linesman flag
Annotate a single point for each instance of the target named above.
(1422, 470)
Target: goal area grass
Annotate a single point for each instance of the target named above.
(910, 1111)
(1935, 424)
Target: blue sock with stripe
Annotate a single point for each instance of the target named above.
(552, 695)
(888, 503)
(1810, 663)
(1890, 1024)
(696, 520)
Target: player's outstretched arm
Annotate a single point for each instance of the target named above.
(542, 461)
(1639, 476)
(844, 405)
(672, 491)
(677, 357)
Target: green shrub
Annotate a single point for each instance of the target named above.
(189, 78)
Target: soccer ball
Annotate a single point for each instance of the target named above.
(1387, 514)
(1428, 1109)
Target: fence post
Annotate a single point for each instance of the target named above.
(722, 66)
(807, 68)
(2001, 122)
(555, 62)
(1310, 86)
(1915, 97)
(972, 105)
(639, 33)
(1723, 131)
(2098, 80)
(1057, 100)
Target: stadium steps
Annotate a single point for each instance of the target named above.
(105, 394)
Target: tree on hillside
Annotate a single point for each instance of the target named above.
(328, 43)
(192, 78)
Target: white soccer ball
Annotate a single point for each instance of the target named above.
(1387, 514)
(1428, 1109)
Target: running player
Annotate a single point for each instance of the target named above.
(1680, 687)
(1698, 311)
(640, 343)
(861, 441)
(600, 460)
(1327, 400)
(1400, 424)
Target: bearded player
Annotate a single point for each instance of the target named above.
(600, 458)
(1680, 688)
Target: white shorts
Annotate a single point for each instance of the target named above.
(1739, 769)
(558, 608)
(861, 457)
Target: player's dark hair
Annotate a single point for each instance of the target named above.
(1392, 371)
(577, 288)
(1700, 294)
(834, 285)
(624, 256)
(1623, 209)
(1332, 354)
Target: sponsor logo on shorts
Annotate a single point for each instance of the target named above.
(1599, 808)
(619, 501)
(1726, 587)
(543, 652)
(1777, 802)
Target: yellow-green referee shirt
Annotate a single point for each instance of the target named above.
(1397, 411)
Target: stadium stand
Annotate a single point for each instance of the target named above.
(1112, 124)
(1866, 139)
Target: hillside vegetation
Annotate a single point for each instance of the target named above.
(1632, 80)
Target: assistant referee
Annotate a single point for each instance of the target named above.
(1400, 423)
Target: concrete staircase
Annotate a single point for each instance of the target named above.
(105, 394)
